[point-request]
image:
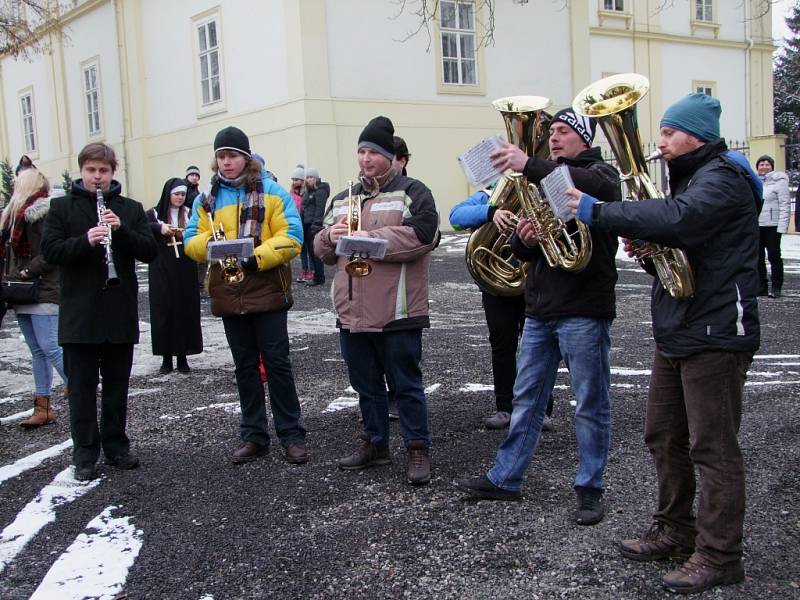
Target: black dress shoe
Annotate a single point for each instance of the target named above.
(183, 366)
(482, 489)
(126, 462)
(249, 451)
(775, 293)
(85, 472)
(166, 365)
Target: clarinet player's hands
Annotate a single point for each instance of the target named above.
(95, 234)
(109, 218)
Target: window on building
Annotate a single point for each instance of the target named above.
(617, 5)
(704, 87)
(208, 46)
(28, 124)
(704, 10)
(91, 90)
(459, 42)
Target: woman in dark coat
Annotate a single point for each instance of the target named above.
(174, 290)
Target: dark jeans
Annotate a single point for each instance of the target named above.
(398, 355)
(82, 363)
(770, 246)
(694, 409)
(319, 268)
(265, 333)
(505, 317)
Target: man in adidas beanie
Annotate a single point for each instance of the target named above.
(704, 344)
(568, 315)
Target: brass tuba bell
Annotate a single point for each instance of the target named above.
(612, 101)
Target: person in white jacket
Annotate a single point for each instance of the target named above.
(772, 221)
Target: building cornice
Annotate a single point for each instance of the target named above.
(680, 39)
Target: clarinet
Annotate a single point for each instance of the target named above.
(111, 271)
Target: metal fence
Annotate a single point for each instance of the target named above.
(658, 168)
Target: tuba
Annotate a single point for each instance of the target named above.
(489, 257)
(612, 101)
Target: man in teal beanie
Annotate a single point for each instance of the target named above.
(704, 343)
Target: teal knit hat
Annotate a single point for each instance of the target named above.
(695, 114)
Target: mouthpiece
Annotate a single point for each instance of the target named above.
(654, 156)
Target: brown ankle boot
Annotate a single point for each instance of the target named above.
(42, 413)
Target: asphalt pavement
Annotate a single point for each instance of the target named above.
(191, 525)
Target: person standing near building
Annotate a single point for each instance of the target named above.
(98, 323)
(21, 226)
(773, 221)
(172, 282)
(567, 315)
(381, 316)
(704, 344)
(247, 203)
(192, 191)
(297, 189)
(401, 155)
(314, 201)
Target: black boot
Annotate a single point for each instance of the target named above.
(183, 366)
(166, 365)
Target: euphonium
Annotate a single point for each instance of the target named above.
(489, 257)
(612, 101)
(232, 271)
(357, 266)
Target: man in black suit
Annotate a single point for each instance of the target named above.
(98, 323)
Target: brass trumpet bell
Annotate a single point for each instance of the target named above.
(358, 267)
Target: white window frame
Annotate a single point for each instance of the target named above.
(613, 5)
(206, 52)
(460, 32)
(28, 121)
(92, 96)
(705, 87)
(704, 11)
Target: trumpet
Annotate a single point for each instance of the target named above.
(357, 266)
(232, 271)
(112, 279)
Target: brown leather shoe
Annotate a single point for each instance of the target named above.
(419, 463)
(248, 452)
(697, 574)
(296, 453)
(367, 455)
(654, 545)
(42, 413)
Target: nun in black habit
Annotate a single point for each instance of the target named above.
(173, 287)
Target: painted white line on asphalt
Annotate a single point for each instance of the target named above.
(341, 403)
(96, 564)
(16, 416)
(34, 460)
(476, 387)
(432, 388)
(755, 383)
(39, 512)
(228, 407)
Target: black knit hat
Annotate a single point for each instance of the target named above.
(767, 158)
(232, 138)
(192, 170)
(583, 126)
(378, 136)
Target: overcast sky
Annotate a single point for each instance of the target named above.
(780, 10)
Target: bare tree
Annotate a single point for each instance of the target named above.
(26, 25)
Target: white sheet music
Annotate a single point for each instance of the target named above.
(476, 163)
(555, 187)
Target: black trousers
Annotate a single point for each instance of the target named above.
(770, 247)
(266, 334)
(505, 317)
(84, 365)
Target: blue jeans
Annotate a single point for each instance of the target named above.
(583, 343)
(41, 335)
(398, 355)
(266, 334)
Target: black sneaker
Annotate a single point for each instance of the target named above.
(85, 472)
(126, 462)
(590, 510)
(481, 488)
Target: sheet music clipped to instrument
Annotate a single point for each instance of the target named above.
(555, 187)
(476, 163)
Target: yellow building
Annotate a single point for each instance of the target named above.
(157, 79)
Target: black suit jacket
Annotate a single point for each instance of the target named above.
(91, 313)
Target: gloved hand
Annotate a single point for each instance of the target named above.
(585, 208)
(250, 264)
